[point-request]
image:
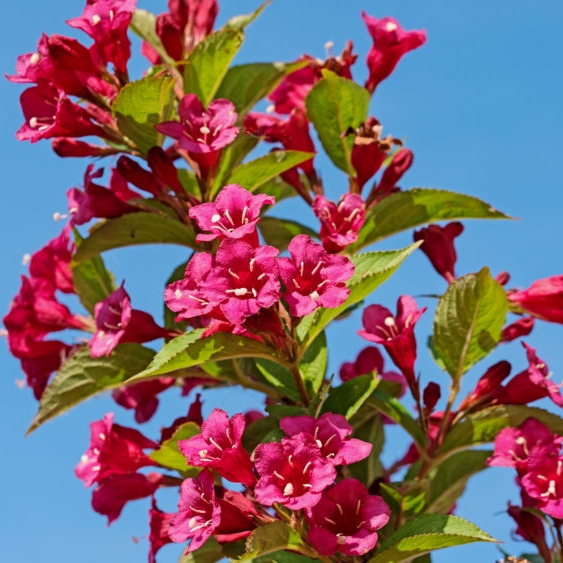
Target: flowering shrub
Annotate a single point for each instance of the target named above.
(250, 306)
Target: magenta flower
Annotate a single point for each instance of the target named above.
(400, 163)
(340, 224)
(113, 449)
(159, 523)
(544, 481)
(543, 299)
(395, 333)
(198, 513)
(293, 472)
(202, 130)
(116, 490)
(238, 517)
(521, 327)
(313, 277)
(346, 519)
(390, 43)
(234, 215)
(219, 447)
(331, 432)
(438, 245)
(244, 280)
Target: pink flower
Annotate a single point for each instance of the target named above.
(438, 245)
(544, 482)
(313, 277)
(238, 517)
(198, 513)
(400, 163)
(202, 130)
(544, 299)
(293, 472)
(219, 447)
(390, 43)
(488, 387)
(113, 449)
(244, 280)
(159, 523)
(395, 333)
(234, 215)
(340, 224)
(521, 327)
(331, 432)
(345, 519)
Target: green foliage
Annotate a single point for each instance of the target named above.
(425, 533)
(313, 365)
(209, 552)
(170, 456)
(335, 104)
(401, 211)
(271, 538)
(346, 399)
(82, 376)
(468, 322)
(143, 24)
(140, 105)
(280, 232)
(132, 229)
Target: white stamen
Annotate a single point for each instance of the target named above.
(25, 259)
(178, 294)
(205, 130)
(96, 19)
(215, 218)
(314, 295)
(102, 436)
(288, 490)
(34, 59)
(391, 26)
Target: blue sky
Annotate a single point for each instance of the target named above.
(480, 106)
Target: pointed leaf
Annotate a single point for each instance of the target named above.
(241, 21)
(404, 210)
(468, 321)
(82, 376)
(253, 174)
(371, 270)
(347, 398)
(313, 364)
(139, 106)
(271, 538)
(143, 24)
(209, 62)
(170, 456)
(92, 281)
(280, 232)
(278, 377)
(209, 552)
(368, 426)
(335, 104)
(191, 350)
(482, 427)
(247, 84)
(278, 188)
(132, 229)
(426, 533)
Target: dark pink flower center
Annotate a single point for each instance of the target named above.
(293, 478)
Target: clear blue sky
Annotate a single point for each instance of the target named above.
(480, 106)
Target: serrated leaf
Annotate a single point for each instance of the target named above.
(209, 552)
(133, 229)
(247, 84)
(483, 426)
(92, 281)
(278, 377)
(425, 533)
(313, 365)
(271, 538)
(191, 349)
(209, 62)
(139, 106)
(241, 21)
(253, 174)
(371, 269)
(347, 398)
(82, 376)
(468, 321)
(449, 478)
(143, 24)
(170, 456)
(280, 232)
(335, 104)
(401, 211)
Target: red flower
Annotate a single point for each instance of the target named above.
(544, 299)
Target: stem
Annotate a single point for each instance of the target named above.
(299, 383)
(245, 381)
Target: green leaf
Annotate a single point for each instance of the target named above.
(92, 281)
(401, 211)
(140, 105)
(483, 426)
(253, 174)
(82, 376)
(278, 377)
(279, 232)
(468, 321)
(241, 21)
(170, 456)
(209, 552)
(425, 533)
(278, 188)
(247, 84)
(347, 398)
(209, 62)
(371, 270)
(131, 229)
(313, 364)
(449, 478)
(143, 24)
(368, 426)
(191, 349)
(271, 538)
(170, 316)
(335, 104)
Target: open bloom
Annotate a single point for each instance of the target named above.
(544, 299)
(219, 447)
(346, 519)
(313, 277)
